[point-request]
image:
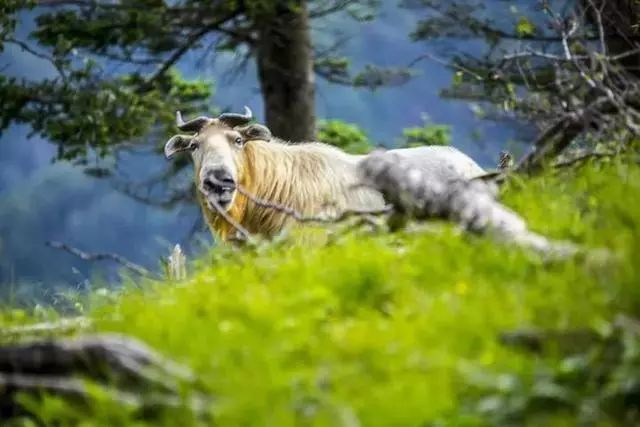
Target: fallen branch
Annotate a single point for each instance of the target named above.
(100, 257)
(472, 204)
(128, 371)
(243, 232)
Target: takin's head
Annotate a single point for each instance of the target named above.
(217, 149)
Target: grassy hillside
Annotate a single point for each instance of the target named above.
(401, 329)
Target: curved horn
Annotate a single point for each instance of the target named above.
(192, 125)
(235, 119)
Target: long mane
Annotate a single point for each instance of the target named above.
(312, 178)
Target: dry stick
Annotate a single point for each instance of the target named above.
(235, 224)
(614, 100)
(448, 64)
(101, 257)
(345, 214)
(495, 176)
(192, 39)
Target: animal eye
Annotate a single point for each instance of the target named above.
(239, 140)
(193, 146)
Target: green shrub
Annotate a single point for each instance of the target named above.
(429, 134)
(345, 136)
(403, 329)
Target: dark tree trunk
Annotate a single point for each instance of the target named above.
(284, 57)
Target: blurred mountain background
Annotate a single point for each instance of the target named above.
(43, 200)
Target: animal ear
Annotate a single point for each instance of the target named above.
(177, 144)
(256, 132)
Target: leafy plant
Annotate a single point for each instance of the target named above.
(402, 328)
(346, 136)
(429, 134)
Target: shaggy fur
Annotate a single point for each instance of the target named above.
(312, 178)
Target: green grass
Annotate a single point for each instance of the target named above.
(387, 329)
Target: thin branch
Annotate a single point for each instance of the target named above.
(448, 64)
(529, 53)
(478, 27)
(177, 54)
(235, 224)
(129, 58)
(26, 48)
(188, 44)
(343, 215)
(624, 55)
(328, 10)
(101, 257)
(56, 3)
(293, 213)
(598, 13)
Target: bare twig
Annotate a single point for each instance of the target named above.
(245, 235)
(26, 48)
(576, 85)
(448, 64)
(235, 224)
(101, 257)
(601, 34)
(341, 216)
(188, 44)
(530, 53)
